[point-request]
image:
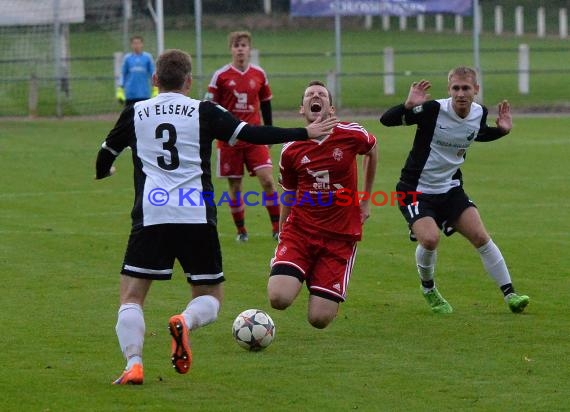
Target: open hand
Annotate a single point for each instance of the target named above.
(418, 94)
(504, 120)
(321, 127)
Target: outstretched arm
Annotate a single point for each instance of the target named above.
(402, 114)
(273, 135)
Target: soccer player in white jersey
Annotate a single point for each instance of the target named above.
(445, 130)
(319, 228)
(174, 212)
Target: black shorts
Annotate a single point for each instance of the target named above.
(444, 208)
(151, 252)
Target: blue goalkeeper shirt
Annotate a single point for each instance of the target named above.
(136, 75)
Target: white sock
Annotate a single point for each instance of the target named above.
(132, 360)
(130, 331)
(494, 263)
(201, 311)
(425, 262)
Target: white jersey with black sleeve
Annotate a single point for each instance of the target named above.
(171, 139)
(441, 142)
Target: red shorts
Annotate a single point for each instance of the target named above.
(232, 158)
(325, 264)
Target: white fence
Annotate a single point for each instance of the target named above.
(523, 72)
(29, 84)
(498, 23)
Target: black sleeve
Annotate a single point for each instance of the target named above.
(400, 116)
(216, 122)
(224, 126)
(266, 113)
(488, 133)
(117, 139)
(394, 116)
(123, 132)
(271, 134)
(103, 164)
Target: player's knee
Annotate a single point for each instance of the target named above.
(480, 240)
(279, 304)
(279, 301)
(430, 241)
(268, 185)
(321, 320)
(265, 177)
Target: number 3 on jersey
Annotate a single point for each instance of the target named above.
(169, 146)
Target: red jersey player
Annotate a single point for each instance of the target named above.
(319, 229)
(243, 89)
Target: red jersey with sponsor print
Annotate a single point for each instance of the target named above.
(240, 92)
(321, 171)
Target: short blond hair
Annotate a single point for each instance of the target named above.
(463, 72)
(234, 36)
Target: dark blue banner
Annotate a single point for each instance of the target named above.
(324, 8)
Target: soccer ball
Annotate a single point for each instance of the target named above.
(253, 330)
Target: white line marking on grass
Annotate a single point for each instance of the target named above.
(61, 192)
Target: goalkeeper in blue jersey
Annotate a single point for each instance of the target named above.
(136, 75)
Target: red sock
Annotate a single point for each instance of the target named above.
(272, 206)
(238, 214)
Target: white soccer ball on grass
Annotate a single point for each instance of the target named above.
(253, 329)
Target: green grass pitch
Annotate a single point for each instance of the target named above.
(63, 237)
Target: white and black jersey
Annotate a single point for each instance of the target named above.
(441, 142)
(171, 140)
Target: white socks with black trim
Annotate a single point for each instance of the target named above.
(494, 263)
(425, 262)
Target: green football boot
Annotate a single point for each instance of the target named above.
(437, 303)
(517, 303)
